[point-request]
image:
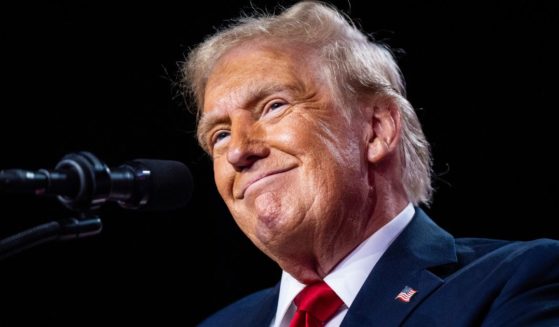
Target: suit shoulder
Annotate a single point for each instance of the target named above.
(528, 296)
(500, 283)
(472, 249)
(542, 251)
(243, 311)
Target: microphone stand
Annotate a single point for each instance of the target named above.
(66, 229)
(93, 190)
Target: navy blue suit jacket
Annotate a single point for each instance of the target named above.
(459, 282)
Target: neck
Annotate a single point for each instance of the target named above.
(314, 265)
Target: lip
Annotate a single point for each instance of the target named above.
(260, 177)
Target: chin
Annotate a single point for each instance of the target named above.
(269, 228)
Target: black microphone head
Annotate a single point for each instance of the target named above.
(170, 184)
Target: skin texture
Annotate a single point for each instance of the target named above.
(303, 182)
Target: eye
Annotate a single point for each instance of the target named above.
(274, 106)
(219, 136)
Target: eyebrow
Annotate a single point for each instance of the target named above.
(253, 95)
(206, 122)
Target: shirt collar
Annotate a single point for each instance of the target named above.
(350, 274)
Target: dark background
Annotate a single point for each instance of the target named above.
(102, 78)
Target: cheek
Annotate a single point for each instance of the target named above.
(286, 136)
(337, 161)
(330, 142)
(223, 179)
(300, 135)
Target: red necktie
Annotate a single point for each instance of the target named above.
(316, 304)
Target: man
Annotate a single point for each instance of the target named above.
(322, 162)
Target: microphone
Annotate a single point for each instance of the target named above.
(82, 182)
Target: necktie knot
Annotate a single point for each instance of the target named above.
(316, 304)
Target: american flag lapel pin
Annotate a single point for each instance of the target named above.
(405, 294)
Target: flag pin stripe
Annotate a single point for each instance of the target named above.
(405, 294)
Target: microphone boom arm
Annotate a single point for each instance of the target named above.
(83, 183)
(66, 229)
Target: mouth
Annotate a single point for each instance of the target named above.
(262, 177)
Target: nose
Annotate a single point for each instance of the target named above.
(247, 144)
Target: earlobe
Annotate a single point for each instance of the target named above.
(377, 150)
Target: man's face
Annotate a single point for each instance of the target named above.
(290, 166)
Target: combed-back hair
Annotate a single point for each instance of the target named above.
(356, 68)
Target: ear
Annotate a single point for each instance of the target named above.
(385, 123)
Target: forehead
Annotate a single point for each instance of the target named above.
(253, 68)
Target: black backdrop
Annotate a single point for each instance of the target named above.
(102, 78)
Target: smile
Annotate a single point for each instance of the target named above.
(262, 177)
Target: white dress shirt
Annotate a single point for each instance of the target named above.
(349, 275)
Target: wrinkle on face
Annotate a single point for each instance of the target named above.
(296, 217)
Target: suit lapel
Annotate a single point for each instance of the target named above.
(421, 245)
(264, 310)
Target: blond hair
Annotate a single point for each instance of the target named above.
(356, 67)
